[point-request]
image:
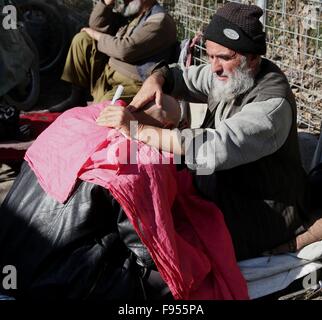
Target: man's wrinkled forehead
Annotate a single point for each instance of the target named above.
(215, 48)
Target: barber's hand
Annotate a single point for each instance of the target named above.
(92, 33)
(151, 90)
(116, 117)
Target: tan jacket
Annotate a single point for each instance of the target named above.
(133, 46)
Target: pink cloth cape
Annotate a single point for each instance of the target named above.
(185, 234)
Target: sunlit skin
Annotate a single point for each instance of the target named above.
(224, 60)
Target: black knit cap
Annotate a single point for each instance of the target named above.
(237, 26)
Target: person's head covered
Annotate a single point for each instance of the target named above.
(238, 27)
(235, 41)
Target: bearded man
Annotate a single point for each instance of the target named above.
(119, 47)
(249, 135)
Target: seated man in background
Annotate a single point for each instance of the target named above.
(118, 48)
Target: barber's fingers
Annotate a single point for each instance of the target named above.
(111, 121)
(144, 96)
(116, 115)
(139, 101)
(158, 97)
(111, 109)
(110, 112)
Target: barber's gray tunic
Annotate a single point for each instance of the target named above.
(251, 144)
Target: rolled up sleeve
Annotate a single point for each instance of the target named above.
(260, 129)
(154, 36)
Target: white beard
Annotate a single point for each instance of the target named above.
(132, 9)
(238, 82)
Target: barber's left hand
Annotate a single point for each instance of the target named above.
(116, 117)
(92, 33)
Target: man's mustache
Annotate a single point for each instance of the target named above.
(225, 74)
